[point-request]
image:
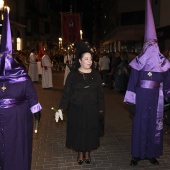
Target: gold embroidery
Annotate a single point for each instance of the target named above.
(149, 74)
(3, 88)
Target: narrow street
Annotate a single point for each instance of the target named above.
(49, 152)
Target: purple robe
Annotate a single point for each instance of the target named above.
(16, 125)
(147, 90)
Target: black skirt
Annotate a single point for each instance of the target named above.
(83, 130)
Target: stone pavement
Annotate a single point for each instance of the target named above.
(49, 152)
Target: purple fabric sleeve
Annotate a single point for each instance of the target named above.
(36, 108)
(130, 97)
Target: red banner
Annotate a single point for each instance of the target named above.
(70, 27)
(41, 51)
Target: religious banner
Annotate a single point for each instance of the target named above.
(41, 52)
(70, 27)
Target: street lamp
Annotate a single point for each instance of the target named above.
(1, 8)
(81, 34)
(60, 42)
(1, 4)
(1, 16)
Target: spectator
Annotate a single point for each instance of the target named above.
(114, 70)
(46, 71)
(104, 63)
(33, 67)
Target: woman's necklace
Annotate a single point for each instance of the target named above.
(85, 70)
(85, 79)
(82, 74)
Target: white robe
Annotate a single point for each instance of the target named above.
(69, 59)
(33, 68)
(39, 68)
(46, 73)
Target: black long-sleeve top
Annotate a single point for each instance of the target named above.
(78, 85)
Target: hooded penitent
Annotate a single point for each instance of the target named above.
(10, 70)
(150, 58)
(148, 86)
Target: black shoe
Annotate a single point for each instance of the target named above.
(79, 162)
(87, 158)
(134, 161)
(87, 161)
(154, 161)
(80, 158)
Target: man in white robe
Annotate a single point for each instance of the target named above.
(33, 68)
(68, 60)
(46, 71)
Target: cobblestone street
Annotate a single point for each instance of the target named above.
(49, 152)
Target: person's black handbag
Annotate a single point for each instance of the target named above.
(101, 124)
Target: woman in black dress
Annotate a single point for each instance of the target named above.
(83, 97)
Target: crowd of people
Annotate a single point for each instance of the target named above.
(113, 67)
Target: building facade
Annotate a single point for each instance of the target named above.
(35, 22)
(124, 24)
(161, 15)
(17, 20)
(43, 22)
(117, 25)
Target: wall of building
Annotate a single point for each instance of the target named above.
(126, 25)
(129, 6)
(164, 13)
(128, 29)
(17, 20)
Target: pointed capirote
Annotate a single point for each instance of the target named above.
(150, 31)
(10, 70)
(6, 41)
(150, 58)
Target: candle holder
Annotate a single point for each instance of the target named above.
(37, 120)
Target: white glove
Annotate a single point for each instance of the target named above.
(58, 115)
